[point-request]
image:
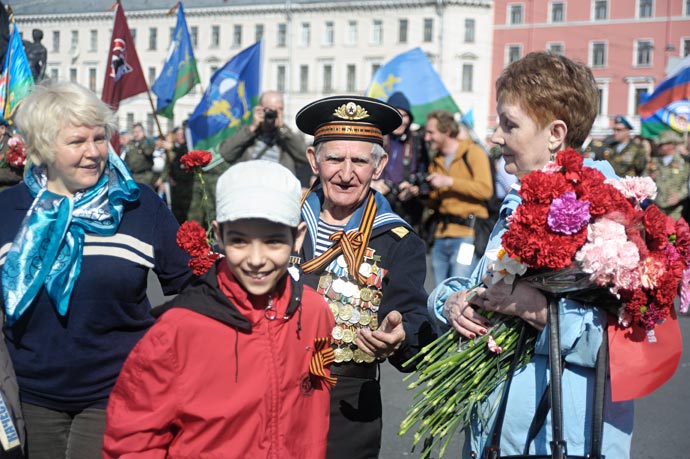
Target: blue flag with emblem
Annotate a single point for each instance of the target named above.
(412, 74)
(16, 80)
(227, 103)
(179, 74)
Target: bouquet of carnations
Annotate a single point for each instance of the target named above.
(577, 235)
(16, 153)
(191, 236)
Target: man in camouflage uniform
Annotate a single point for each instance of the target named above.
(139, 156)
(626, 157)
(671, 172)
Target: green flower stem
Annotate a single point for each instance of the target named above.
(454, 376)
(204, 200)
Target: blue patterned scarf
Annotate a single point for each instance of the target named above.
(48, 248)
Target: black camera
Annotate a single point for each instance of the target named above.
(270, 117)
(419, 179)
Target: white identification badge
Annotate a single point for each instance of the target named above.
(465, 254)
(8, 434)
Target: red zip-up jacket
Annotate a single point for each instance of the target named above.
(214, 378)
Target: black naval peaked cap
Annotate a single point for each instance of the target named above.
(348, 118)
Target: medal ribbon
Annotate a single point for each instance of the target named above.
(352, 245)
(323, 355)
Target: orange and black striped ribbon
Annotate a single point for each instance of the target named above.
(323, 355)
(352, 245)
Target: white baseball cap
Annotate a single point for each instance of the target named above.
(258, 189)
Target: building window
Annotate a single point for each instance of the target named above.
(133, 32)
(686, 5)
(73, 75)
(515, 15)
(194, 36)
(149, 124)
(646, 8)
(258, 32)
(328, 34)
(74, 42)
(351, 83)
(555, 48)
(375, 68)
(92, 79)
(513, 53)
(601, 10)
(467, 77)
(428, 30)
(352, 33)
(153, 38)
(236, 35)
(598, 55)
(55, 74)
(327, 79)
(643, 53)
(469, 30)
(281, 39)
(638, 99)
(215, 36)
(171, 35)
(557, 12)
(280, 78)
(56, 41)
(685, 46)
(303, 78)
(377, 32)
(305, 36)
(93, 40)
(130, 121)
(402, 31)
(152, 75)
(602, 109)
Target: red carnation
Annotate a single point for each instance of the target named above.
(682, 242)
(541, 187)
(202, 264)
(656, 225)
(195, 158)
(16, 152)
(191, 237)
(571, 161)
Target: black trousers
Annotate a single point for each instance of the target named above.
(355, 428)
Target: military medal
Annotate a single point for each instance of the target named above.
(347, 354)
(365, 294)
(348, 335)
(325, 281)
(337, 333)
(345, 311)
(338, 355)
(365, 269)
(356, 314)
(364, 318)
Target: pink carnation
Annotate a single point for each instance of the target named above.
(552, 168)
(637, 189)
(685, 292)
(609, 257)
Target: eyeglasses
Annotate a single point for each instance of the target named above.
(619, 129)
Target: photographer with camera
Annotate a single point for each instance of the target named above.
(403, 181)
(269, 139)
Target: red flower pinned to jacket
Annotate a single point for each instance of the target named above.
(195, 158)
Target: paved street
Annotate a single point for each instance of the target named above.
(661, 419)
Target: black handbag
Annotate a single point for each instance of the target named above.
(553, 396)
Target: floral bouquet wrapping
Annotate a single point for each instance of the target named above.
(578, 235)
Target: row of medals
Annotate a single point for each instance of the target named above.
(353, 307)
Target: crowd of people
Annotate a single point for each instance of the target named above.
(275, 350)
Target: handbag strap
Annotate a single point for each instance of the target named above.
(599, 398)
(558, 444)
(493, 449)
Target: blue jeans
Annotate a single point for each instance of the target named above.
(443, 258)
(52, 434)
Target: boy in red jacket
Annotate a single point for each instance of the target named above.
(234, 367)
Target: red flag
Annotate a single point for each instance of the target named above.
(123, 77)
(641, 363)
